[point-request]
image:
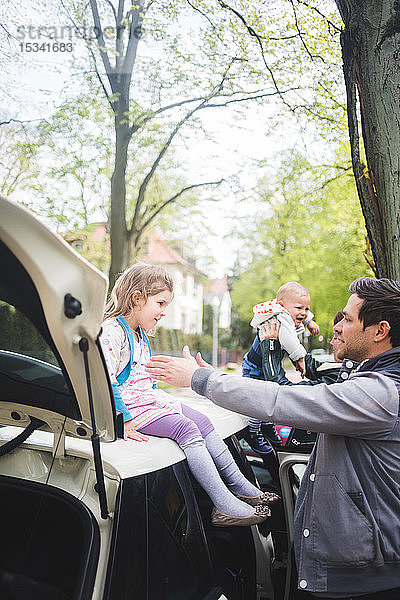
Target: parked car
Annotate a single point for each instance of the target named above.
(84, 513)
(322, 355)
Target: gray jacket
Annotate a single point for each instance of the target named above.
(347, 517)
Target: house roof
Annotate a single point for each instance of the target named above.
(218, 286)
(160, 252)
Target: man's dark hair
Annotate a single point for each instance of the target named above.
(338, 317)
(381, 303)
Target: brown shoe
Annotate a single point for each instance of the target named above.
(264, 498)
(219, 519)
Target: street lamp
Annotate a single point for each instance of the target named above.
(215, 303)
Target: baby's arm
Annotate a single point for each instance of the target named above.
(301, 366)
(288, 338)
(312, 327)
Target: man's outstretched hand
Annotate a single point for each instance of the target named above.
(175, 371)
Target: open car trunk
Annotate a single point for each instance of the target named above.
(52, 543)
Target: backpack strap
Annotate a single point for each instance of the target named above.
(123, 376)
(146, 341)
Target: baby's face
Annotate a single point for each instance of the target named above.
(297, 304)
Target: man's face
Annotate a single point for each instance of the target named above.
(297, 304)
(350, 339)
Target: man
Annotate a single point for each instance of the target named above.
(264, 361)
(347, 517)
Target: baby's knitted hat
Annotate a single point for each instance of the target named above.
(264, 311)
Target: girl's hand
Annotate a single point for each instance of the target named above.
(131, 433)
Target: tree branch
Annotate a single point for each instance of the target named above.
(17, 121)
(249, 98)
(314, 8)
(146, 180)
(145, 118)
(77, 29)
(301, 35)
(202, 14)
(135, 24)
(175, 197)
(101, 43)
(258, 38)
(119, 44)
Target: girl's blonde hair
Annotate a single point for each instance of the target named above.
(138, 280)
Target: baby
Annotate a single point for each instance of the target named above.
(292, 308)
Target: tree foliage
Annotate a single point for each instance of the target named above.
(174, 61)
(311, 231)
(19, 147)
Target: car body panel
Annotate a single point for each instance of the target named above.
(56, 270)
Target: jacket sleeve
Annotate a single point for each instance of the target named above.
(272, 362)
(252, 361)
(364, 406)
(319, 372)
(308, 318)
(273, 370)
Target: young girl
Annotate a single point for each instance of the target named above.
(138, 301)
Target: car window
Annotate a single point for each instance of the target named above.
(19, 335)
(31, 371)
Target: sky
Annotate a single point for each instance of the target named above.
(36, 78)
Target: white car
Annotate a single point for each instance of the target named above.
(85, 514)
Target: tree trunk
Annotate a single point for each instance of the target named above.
(371, 54)
(118, 228)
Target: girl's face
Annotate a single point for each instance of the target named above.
(149, 313)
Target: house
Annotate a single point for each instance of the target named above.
(217, 295)
(93, 243)
(185, 312)
(186, 309)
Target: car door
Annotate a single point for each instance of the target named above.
(291, 470)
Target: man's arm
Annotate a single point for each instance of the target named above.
(365, 406)
(273, 370)
(272, 355)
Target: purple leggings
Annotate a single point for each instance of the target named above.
(180, 428)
